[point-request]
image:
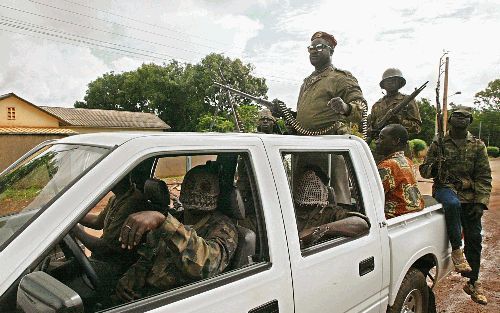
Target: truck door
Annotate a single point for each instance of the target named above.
(258, 281)
(336, 274)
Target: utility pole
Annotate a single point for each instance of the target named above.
(480, 122)
(445, 95)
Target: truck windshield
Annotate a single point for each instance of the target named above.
(38, 180)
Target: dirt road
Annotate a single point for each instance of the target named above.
(449, 294)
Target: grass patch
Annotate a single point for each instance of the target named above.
(19, 194)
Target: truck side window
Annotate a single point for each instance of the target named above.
(326, 196)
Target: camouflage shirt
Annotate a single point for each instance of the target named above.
(400, 185)
(466, 169)
(307, 218)
(318, 89)
(409, 116)
(177, 254)
(115, 213)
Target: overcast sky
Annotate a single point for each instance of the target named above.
(43, 61)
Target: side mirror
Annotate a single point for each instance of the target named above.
(40, 292)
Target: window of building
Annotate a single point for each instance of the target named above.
(11, 113)
(327, 199)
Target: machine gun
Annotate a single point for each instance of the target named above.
(392, 112)
(282, 111)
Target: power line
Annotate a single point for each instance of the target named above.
(19, 22)
(79, 40)
(63, 42)
(119, 24)
(279, 79)
(101, 30)
(171, 28)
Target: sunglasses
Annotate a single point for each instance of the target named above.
(318, 48)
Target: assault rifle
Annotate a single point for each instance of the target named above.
(392, 112)
(439, 127)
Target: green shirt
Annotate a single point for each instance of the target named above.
(115, 213)
(318, 89)
(307, 217)
(409, 116)
(467, 169)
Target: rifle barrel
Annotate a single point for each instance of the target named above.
(241, 93)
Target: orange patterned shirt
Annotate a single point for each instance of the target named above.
(400, 185)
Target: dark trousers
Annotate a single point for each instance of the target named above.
(457, 218)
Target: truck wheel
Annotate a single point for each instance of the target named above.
(413, 295)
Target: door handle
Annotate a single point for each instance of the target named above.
(366, 266)
(270, 307)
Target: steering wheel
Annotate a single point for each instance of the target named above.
(82, 259)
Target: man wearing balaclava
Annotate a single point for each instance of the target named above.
(179, 252)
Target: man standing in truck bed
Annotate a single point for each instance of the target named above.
(328, 92)
(408, 117)
(330, 102)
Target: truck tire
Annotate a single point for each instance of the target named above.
(413, 295)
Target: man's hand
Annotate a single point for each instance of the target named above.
(124, 292)
(476, 211)
(338, 106)
(137, 224)
(311, 235)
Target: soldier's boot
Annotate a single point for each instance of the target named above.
(476, 292)
(461, 264)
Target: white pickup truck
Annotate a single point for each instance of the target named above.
(46, 193)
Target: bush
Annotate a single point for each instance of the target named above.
(493, 152)
(416, 146)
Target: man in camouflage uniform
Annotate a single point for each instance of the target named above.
(317, 214)
(463, 186)
(397, 173)
(409, 117)
(177, 253)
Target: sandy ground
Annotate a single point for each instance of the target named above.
(449, 294)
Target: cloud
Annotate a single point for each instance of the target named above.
(271, 34)
(47, 73)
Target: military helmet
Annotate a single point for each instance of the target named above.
(461, 109)
(266, 114)
(393, 72)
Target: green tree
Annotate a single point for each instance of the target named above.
(180, 94)
(489, 98)
(428, 116)
(485, 126)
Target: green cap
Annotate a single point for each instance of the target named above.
(462, 109)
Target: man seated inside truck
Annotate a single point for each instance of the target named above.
(318, 217)
(397, 173)
(178, 252)
(108, 259)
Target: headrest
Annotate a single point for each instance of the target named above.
(157, 194)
